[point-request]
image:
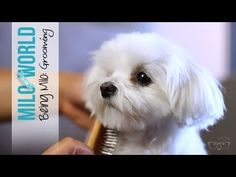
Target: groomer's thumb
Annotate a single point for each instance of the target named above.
(82, 149)
(69, 146)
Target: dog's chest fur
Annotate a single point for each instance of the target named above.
(165, 140)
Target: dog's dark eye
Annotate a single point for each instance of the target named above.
(143, 79)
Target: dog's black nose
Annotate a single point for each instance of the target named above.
(108, 89)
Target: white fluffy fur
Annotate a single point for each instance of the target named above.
(164, 117)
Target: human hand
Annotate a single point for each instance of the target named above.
(71, 103)
(5, 94)
(68, 146)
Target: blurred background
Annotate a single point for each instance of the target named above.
(211, 44)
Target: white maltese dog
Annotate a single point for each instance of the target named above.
(153, 94)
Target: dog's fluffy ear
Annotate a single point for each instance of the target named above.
(195, 97)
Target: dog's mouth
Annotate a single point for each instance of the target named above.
(134, 117)
(108, 103)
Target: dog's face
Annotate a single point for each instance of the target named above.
(140, 79)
